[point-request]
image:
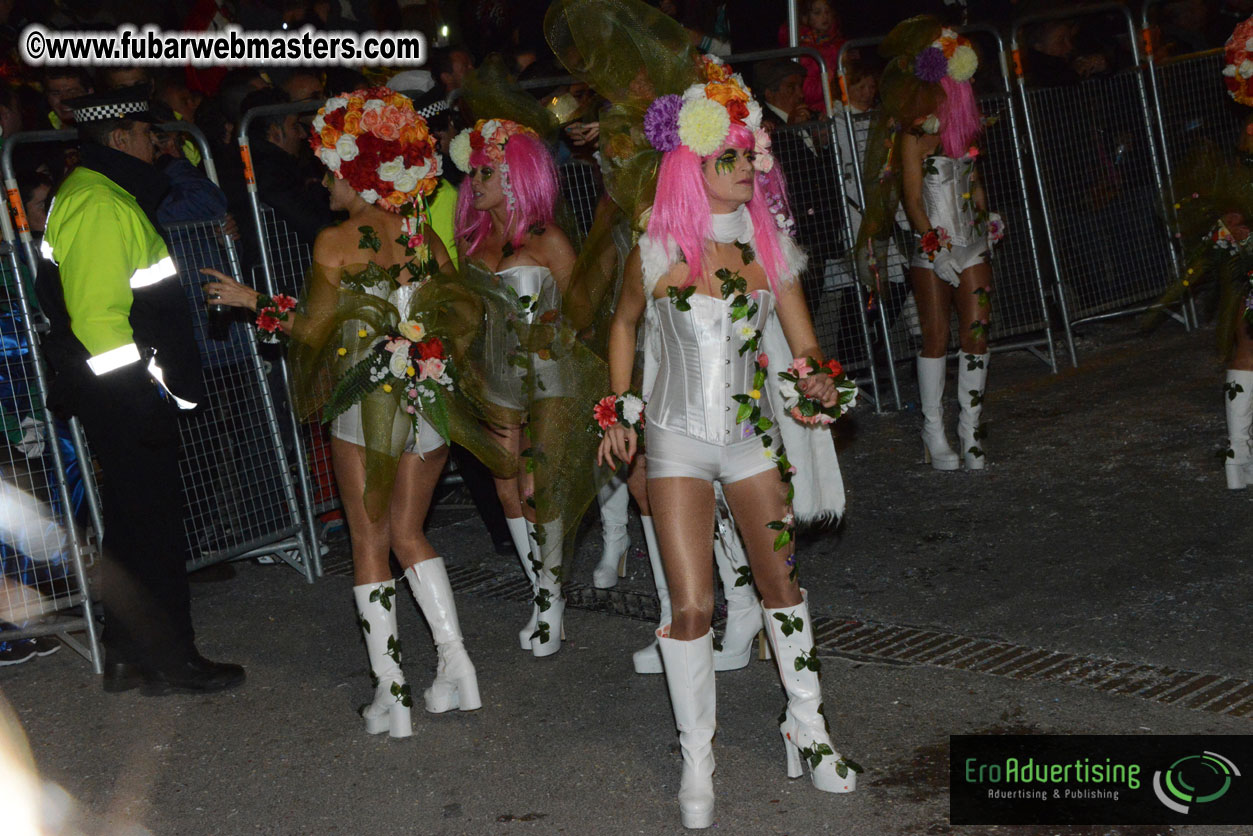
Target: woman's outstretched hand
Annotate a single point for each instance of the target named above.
(619, 442)
(224, 290)
(821, 387)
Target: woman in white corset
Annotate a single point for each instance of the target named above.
(505, 231)
(930, 91)
(715, 275)
(374, 304)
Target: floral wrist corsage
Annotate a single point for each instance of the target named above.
(933, 240)
(806, 409)
(271, 311)
(626, 409)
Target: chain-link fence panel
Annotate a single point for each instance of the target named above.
(1193, 107)
(239, 490)
(581, 190)
(1105, 220)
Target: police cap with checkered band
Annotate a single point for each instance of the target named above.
(122, 103)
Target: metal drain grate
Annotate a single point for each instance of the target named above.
(900, 645)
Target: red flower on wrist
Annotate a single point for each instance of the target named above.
(834, 367)
(606, 411)
(284, 303)
(267, 323)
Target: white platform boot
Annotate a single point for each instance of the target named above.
(550, 602)
(518, 532)
(972, 378)
(935, 447)
(804, 726)
(690, 680)
(455, 685)
(1238, 398)
(390, 710)
(648, 659)
(615, 502)
(744, 622)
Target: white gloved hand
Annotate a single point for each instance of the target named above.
(945, 267)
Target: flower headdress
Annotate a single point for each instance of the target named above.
(373, 138)
(488, 137)
(1238, 66)
(701, 118)
(950, 55)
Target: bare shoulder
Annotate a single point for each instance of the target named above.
(336, 245)
(553, 246)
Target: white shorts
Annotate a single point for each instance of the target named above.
(963, 257)
(347, 427)
(673, 454)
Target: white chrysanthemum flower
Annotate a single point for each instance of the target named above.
(632, 409)
(962, 66)
(703, 126)
(329, 158)
(747, 332)
(460, 150)
(370, 196)
(392, 169)
(694, 93)
(346, 147)
(335, 103)
(399, 361)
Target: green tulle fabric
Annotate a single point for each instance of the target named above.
(490, 92)
(906, 99)
(554, 381)
(1223, 192)
(336, 313)
(629, 53)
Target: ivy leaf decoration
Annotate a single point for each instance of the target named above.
(745, 576)
(507, 250)
(746, 252)
(369, 239)
(680, 297)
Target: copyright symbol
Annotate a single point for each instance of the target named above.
(33, 44)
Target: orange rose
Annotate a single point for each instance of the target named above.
(355, 103)
(723, 92)
(352, 122)
(386, 131)
(329, 136)
(397, 198)
(409, 135)
(949, 46)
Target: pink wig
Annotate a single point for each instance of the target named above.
(960, 120)
(531, 179)
(681, 209)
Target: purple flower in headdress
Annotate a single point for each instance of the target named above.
(931, 65)
(661, 123)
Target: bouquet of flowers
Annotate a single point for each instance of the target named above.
(626, 409)
(271, 313)
(1238, 63)
(407, 361)
(934, 240)
(806, 409)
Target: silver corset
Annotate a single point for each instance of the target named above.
(538, 294)
(399, 295)
(700, 368)
(948, 197)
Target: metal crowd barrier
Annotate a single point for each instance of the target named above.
(45, 548)
(1101, 185)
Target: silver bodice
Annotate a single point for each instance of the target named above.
(538, 295)
(399, 295)
(948, 197)
(700, 368)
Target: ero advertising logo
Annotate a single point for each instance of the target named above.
(1090, 779)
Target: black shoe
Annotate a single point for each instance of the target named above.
(45, 645)
(18, 651)
(196, 675)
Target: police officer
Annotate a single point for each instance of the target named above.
(126, 363)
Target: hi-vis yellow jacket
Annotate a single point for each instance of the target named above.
(109, 255)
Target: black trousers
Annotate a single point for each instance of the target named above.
(133, 434)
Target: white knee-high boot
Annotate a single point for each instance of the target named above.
(690, 680)
(648, 659)
(615, 502)
(931, 393)
(1238, 395)
(389, 711)
(804, 726)
(744, 621)
(972, 378)
(518, 532)
(550, 603)
(455, 685)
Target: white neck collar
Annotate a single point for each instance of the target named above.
(733, 227)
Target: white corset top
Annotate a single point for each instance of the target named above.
(948, 197)
(700, 367)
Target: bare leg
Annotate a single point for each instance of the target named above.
(507, 487)
(371, 539)
(974, 308)
(755, 502)
(416, 478)
(637, 484)
(684, 520)
(1242, 352)
(934, 298)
